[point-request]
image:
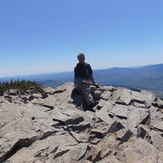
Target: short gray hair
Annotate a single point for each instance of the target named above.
(80, 54)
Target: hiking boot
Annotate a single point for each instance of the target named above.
(92, 106)
(91, 109)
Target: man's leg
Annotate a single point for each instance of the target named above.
(84, 89)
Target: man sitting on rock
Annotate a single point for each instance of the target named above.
(83, 79)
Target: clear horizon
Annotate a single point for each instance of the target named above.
(134, 67)
(41, 36)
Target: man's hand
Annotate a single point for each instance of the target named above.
(96, 85)
(86, 82)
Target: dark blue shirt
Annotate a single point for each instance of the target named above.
(83, 72)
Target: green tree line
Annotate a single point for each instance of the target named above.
(23, 85)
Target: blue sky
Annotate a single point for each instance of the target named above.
(41, 36)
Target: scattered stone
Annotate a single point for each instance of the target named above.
(138, 97)
(51, 126)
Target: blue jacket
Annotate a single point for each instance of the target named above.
(83, 72)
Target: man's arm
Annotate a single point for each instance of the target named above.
(93, 81)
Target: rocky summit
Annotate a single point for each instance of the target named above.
(54, 126)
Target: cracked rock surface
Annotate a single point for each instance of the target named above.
(50, 127)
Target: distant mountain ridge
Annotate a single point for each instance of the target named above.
(148, 77)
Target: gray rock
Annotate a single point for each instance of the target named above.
(138, 97)
(116, 126)
(13, 92)
(138, 150)
(5, 94)
(157, 125)
(148, 96)
(49, 127)
(156, 139)
(106, 95)
(101, 103)
(103, 113)
(136, 117)
(48, 90)
(125, 96)
(17, 100)
(160, 157)
(37, 95)
(121, 111)
(160, 103)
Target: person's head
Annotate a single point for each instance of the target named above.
(81, 58)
